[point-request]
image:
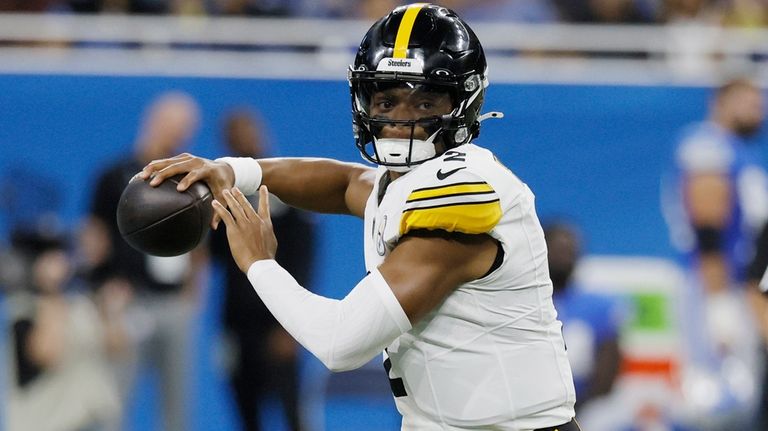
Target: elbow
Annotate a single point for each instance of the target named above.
(338, 368)
(336, 363)
(339, 365)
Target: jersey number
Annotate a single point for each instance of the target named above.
(455, 156)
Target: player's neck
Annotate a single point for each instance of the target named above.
(395, 175)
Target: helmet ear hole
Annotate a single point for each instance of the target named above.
(461, 135)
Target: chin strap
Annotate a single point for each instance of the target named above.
(492, 114)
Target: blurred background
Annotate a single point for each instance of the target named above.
(597, 95)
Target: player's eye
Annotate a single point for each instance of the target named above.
(383, 104)
(426, 106)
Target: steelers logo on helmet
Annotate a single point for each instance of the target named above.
(426, 56)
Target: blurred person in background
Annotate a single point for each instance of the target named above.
(162, 290)
(528, 11)
(608, 11)
(744, 13)
(729, 13)
(143, 7)
(28, 5)
(274, 8)
(690, 11)
(60, 372)
(373, 9)
(111, 294)
(265, 355)
(715, 202)
(591, 321)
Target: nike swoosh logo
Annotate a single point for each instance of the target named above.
(443, 175)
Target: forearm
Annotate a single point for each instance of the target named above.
(320, 185)
(343, 334)
(314, 184)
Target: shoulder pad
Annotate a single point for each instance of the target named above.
(462, 203)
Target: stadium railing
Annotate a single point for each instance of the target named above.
(679, 54)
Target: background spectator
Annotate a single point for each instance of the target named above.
(265, 355)
(719, 200)
(162, 290)
(60, 369)
(591, 322)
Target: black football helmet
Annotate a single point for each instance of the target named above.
(427, 47)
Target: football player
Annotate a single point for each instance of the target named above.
(458, 295)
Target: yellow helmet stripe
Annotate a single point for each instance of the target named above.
(404, 31)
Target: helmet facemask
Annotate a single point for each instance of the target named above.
(418, 139)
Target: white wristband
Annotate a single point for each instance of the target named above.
(247, 173)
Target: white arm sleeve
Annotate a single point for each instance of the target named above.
(247, 173)
(344, 334)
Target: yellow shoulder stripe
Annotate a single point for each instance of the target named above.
(466, 217)
(404, 31)
(450, 190)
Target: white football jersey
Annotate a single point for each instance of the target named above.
(491, 356)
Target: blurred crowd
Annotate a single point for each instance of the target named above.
(737, 13)
(85, 310)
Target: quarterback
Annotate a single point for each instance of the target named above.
(457, 296)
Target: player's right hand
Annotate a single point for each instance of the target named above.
(219, 176)
(250, 234)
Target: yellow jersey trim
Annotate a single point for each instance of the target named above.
(404, 31)
(450, 190)
(465, 217)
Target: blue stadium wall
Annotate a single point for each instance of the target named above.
(592, 154)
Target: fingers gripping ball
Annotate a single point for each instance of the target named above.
(162, 221)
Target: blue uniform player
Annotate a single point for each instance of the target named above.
(717, 203)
